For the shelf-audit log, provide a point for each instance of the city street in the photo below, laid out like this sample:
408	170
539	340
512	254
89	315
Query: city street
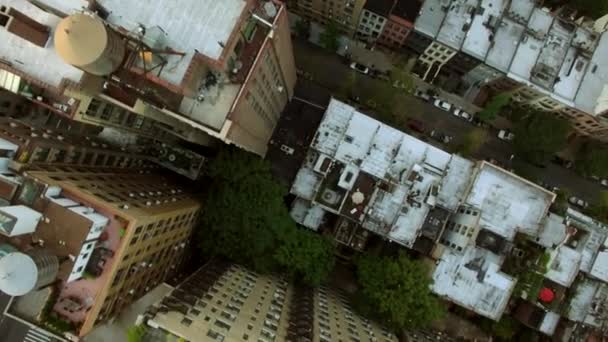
16	331
329	71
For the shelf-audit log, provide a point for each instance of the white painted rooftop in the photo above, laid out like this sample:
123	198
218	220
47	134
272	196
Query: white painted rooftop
592	96
411	167
41	63
188	25
553	231
528	44
582	299
508	203
506	39
478	42
310	216
521	9
458	19
600	267
306	183
473	280
431	16
454	184
563	265
549	323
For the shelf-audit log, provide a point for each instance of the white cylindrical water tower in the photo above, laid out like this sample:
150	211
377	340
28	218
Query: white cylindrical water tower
21	273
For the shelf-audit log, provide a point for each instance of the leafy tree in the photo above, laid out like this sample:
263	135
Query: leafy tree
302	29
136	333
403	79
307	256
329	37
246	220
593	159
397	289
539	135
600	210
561	201
591	8
494	106
473	141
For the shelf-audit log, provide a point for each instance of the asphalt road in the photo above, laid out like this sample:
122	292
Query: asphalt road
12	330
329	71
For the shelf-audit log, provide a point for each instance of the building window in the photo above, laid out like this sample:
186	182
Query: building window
186	321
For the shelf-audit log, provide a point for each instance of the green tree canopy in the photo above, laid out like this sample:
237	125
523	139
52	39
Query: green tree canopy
402	78
302	29
539	135
494	106
600	210
592	159
397	289
307	256
473	141
591	8
329	38
246	220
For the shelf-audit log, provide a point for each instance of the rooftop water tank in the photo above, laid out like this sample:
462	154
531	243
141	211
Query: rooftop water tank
21	273
85	42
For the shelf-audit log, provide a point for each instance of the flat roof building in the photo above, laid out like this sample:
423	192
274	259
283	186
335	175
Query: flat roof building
405	190
228	302
554	62
199	70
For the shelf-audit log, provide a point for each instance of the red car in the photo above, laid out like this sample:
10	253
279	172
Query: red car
416	125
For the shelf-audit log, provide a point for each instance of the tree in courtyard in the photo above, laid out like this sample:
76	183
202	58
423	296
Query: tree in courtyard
473	141
397	289
494	106
302	29
539	135
329	38
246	220
592	159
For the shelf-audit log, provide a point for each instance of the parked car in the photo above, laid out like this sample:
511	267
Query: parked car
548	186
479	123
399	85
563	162
443	105
359	67
441	137
578	202
505	135
422	95
604	182
416	125
462	114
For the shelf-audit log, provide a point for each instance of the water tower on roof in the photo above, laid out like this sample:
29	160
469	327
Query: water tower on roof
21	273
84	41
